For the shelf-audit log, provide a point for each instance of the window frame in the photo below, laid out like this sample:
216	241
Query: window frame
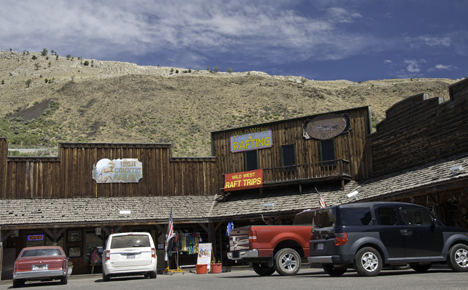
290	166
322	151
246	159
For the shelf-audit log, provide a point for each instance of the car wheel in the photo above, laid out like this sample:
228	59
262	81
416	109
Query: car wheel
420	268
287	262
18	283
458	258
262	269
64	280
152	275
105	277
334	271
368	262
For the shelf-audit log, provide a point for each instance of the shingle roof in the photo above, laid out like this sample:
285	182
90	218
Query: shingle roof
99	210
241	204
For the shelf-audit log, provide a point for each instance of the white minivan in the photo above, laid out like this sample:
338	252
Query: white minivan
129	254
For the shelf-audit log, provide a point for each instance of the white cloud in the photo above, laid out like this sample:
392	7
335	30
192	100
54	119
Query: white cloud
110	29
387	61
442	67
431	41
413	66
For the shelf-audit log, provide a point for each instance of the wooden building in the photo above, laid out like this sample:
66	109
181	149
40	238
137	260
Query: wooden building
74	201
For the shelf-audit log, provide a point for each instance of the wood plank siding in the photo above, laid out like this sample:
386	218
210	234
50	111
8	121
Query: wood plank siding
420	129
70	174
352	147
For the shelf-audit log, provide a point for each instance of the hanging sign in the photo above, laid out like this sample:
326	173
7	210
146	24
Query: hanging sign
326	126
243	180
39	237
127	170
251	139
204	254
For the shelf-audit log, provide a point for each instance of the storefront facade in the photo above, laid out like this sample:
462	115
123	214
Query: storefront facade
265	173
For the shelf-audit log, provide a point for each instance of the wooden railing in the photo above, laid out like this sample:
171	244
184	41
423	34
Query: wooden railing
330	169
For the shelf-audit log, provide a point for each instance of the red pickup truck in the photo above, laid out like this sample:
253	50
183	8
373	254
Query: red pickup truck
273	248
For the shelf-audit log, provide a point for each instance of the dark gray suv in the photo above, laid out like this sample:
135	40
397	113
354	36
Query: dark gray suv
369	235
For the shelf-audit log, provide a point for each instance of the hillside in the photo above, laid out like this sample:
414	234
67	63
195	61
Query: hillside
53	99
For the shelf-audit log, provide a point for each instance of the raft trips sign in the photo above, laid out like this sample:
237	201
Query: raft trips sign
251	139
127	170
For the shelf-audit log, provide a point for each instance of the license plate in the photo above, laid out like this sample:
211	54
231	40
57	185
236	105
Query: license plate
320	247
40	267
235	254
130	256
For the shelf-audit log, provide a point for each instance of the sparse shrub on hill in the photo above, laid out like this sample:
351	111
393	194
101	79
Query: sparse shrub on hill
28	82
44	52
216	68
68	56
229	70
34	57
86	63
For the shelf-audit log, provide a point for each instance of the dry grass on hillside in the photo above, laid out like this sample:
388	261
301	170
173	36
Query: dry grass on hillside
122	102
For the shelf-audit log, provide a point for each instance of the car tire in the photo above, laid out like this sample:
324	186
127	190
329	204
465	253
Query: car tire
334	271
457	258
64	280
368	262
262	269
421	268
152	275
105	277
18	283
287	262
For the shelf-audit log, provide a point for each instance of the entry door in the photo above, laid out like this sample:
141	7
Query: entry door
422	238
9	257
390	232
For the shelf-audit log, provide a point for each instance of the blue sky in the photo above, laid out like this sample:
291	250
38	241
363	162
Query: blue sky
322	40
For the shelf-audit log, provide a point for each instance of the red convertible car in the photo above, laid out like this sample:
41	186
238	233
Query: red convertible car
40	263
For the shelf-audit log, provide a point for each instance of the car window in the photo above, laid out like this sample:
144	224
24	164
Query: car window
130	241
387	216
304	218
41	252
415	216
324	218
356	216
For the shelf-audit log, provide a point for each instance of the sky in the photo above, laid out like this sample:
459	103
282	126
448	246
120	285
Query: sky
355	40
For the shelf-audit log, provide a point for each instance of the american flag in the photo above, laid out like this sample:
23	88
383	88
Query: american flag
321	201
170	233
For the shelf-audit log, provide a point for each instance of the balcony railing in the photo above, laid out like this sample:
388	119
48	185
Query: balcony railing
330	170
326	170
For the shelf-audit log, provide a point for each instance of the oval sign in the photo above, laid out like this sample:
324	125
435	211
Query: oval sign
324	127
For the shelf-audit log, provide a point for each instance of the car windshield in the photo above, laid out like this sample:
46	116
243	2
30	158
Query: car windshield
323	218
130	241
41	252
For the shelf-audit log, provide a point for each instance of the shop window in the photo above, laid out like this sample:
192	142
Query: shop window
251	160
288	156
327	151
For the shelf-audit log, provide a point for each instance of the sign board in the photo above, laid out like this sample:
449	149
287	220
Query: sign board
326	126
127	170
251	139
243	180
38	237
204	254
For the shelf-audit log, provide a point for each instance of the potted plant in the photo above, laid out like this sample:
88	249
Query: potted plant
70	267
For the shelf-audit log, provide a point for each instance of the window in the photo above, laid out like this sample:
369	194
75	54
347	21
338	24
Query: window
288	155
415	216
251	160
387	216
327	150
356	216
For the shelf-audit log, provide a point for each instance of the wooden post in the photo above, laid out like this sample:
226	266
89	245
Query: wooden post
1	253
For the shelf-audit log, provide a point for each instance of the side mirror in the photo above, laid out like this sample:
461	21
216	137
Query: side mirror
434	222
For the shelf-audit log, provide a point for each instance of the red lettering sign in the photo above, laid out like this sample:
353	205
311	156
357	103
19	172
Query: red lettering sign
243	180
